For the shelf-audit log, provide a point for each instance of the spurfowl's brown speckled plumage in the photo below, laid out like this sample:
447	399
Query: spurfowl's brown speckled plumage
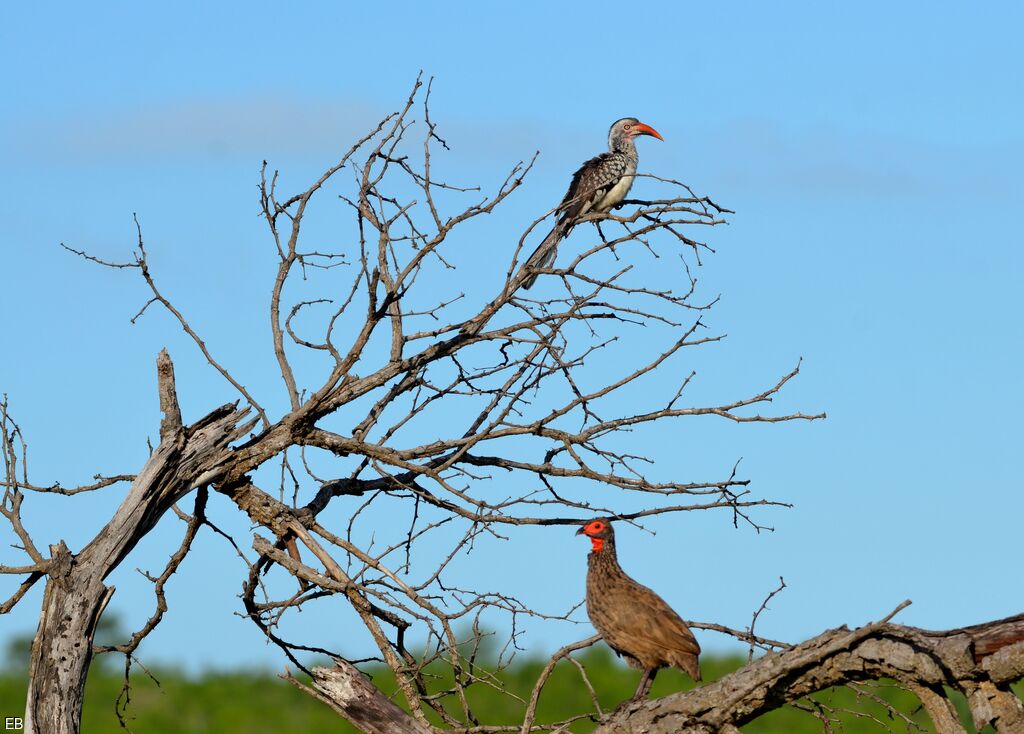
632	619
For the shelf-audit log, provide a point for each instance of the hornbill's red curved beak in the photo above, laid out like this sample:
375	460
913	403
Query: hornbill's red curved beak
642	129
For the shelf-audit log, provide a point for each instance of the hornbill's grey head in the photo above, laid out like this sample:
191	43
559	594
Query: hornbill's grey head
628	128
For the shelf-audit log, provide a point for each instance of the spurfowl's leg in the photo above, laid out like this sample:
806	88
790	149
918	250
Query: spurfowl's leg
646	680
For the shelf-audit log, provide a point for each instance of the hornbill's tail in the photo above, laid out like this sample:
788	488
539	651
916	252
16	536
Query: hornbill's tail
545	253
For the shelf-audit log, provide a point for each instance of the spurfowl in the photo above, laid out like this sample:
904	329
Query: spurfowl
632	619
599	185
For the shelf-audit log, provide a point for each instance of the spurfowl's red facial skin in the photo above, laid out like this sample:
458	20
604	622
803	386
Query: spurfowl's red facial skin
598	531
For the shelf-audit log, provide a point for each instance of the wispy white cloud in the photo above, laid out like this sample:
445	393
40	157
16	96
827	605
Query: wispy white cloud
257	126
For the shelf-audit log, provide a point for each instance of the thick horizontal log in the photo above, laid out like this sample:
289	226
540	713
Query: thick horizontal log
981	661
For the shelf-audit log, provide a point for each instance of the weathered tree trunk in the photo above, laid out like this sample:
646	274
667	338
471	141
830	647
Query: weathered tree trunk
62	649
980	661
75	595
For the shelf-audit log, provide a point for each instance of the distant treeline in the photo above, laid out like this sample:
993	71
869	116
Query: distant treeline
232	703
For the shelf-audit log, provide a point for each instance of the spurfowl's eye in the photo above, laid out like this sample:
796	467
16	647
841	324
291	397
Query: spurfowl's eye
597	526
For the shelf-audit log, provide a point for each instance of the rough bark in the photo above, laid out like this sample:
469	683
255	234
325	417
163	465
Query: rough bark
62	648
187	457
924	661
346	690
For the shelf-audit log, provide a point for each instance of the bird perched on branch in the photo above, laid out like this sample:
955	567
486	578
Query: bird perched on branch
600	185
632	619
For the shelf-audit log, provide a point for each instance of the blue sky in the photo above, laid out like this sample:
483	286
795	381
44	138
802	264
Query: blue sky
872	153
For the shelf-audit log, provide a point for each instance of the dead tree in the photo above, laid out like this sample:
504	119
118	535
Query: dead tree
425	407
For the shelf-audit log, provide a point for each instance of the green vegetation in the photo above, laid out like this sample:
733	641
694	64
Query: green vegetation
231	703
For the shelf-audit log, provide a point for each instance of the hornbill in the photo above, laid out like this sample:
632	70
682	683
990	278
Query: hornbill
599	185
